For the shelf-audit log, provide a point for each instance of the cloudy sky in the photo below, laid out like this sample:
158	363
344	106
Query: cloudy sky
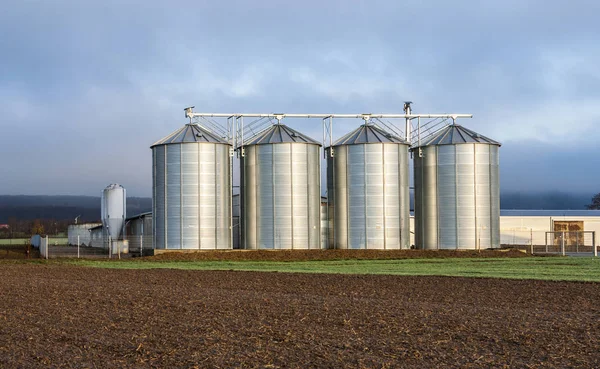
87	86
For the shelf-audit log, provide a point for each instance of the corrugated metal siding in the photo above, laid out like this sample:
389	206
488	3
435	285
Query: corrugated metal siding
159	200
283	193
313	158
495	196
356	196
173	197
447	208
190	199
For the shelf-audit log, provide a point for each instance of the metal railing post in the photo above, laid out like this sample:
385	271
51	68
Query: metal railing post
594	243
141	245
77	246
531	239
563	244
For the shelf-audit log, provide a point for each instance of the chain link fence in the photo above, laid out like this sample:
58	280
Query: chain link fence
139	245
571	242
545	242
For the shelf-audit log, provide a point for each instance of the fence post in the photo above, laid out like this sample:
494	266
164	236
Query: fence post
141	245
109	247
531	239
577	242
77	246
47	247
594	243
563	244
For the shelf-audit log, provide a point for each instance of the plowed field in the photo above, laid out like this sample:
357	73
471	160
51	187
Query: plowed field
64	316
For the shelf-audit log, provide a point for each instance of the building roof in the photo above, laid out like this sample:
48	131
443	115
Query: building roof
140	215
86	225
190	133
367	134
455	134
550	213
279	133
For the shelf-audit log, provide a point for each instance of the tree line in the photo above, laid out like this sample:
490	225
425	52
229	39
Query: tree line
19	228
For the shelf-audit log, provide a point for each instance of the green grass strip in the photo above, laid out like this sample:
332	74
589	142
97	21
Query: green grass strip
555	268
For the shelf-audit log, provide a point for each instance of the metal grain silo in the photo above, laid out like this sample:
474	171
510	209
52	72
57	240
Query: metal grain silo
367	188
457	191
191	190
281	191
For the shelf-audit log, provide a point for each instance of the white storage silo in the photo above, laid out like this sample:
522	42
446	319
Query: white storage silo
457	191
113	208
191	190
281	191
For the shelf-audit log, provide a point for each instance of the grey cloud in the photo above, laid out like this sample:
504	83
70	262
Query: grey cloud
91	85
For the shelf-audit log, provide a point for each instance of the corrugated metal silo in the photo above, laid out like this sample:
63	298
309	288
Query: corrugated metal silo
457	191
191	190
367	188
281	191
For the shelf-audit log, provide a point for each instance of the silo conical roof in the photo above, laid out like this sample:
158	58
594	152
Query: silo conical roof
279	133
190	133
455	134
366	134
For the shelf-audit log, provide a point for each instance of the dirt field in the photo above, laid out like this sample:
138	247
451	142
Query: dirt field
61	316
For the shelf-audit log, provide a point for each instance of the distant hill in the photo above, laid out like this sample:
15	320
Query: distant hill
544	201
25	207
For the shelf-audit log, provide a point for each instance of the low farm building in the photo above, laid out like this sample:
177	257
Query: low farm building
81	233
532	227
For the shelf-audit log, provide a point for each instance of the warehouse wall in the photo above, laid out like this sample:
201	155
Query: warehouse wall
524	230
